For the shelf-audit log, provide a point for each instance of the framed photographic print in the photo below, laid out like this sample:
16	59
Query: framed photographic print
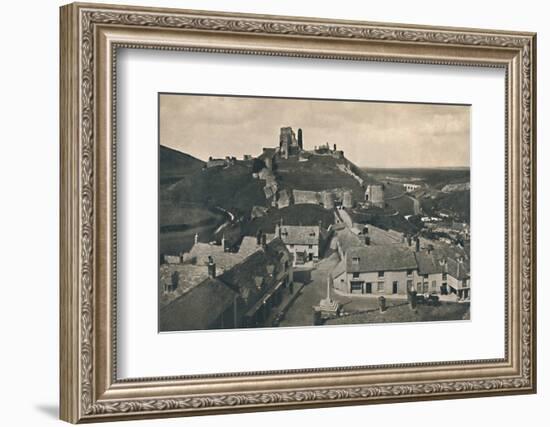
265	212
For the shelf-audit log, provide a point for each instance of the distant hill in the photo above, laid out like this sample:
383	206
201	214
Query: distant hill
436	178
174	165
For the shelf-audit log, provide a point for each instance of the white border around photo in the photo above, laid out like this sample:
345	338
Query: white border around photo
142	352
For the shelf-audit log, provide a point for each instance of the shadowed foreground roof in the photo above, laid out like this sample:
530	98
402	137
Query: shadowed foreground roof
197	309
189	277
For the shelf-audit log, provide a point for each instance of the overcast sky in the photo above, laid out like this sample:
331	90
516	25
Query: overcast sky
370	133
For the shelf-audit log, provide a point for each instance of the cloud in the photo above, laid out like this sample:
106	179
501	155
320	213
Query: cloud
371	133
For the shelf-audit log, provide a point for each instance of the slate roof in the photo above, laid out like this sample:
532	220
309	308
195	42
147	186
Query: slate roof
348	239
380	258
223	260
444	261
248	246
428	263
199	308
200	250
459	270
199	300
264	264
189	276
300	234
339	269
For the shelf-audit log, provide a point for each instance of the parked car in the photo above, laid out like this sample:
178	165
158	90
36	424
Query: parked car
428	299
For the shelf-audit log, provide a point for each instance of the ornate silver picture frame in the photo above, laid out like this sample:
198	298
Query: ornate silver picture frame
91	37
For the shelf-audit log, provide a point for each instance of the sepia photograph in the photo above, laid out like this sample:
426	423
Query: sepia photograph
300	212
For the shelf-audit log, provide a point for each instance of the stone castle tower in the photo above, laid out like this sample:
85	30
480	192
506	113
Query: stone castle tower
374	195
288	144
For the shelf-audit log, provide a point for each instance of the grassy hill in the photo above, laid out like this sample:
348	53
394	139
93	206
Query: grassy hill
319	173
231	188
190	196
175	165
457	202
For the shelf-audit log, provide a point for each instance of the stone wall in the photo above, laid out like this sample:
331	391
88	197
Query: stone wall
302	197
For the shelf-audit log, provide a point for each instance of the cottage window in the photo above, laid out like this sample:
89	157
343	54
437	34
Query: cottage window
380	274
312	234
434	284
409	272
291	246
425	276
355	260
444	276
355	275
357	287
380	286
310	246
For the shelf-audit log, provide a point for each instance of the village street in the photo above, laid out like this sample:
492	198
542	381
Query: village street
300	312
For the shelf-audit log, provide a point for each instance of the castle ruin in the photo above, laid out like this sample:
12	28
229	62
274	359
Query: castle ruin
374	195
288	143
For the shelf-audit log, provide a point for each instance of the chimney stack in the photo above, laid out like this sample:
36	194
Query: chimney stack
259	237
417	244
367	240
264	241
211	267
175	279
196	238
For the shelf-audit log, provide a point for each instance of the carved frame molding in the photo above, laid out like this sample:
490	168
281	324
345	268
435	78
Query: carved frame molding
90	390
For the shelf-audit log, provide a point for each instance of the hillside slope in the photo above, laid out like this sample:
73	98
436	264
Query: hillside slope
231	188
320	173
174	165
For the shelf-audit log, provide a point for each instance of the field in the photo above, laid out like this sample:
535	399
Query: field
405	205
434	178
380	218
457	202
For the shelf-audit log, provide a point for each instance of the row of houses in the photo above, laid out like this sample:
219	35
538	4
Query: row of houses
397	270
239	288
